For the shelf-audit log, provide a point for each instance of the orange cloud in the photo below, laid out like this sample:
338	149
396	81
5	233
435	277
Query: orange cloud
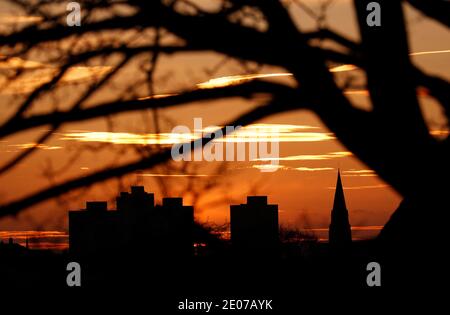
269	167
25	146
251	133
39	73
237	79
362	173
430	52
362	187
19	63
440	133
313	169
19	19
344	68
50	240
175	175
282	167
310	157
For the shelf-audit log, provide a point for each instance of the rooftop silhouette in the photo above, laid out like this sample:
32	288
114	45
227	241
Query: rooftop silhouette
254	226
137	225
167	229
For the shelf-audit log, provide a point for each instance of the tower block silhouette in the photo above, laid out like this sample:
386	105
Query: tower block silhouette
137	227
340	234
254	226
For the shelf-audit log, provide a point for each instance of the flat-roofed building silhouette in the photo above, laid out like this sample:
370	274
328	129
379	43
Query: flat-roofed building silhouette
254	226
136	210
137	201
173	226
93	229
138	225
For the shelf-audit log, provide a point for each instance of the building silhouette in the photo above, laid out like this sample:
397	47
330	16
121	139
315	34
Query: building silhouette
254	226
137	201
175	225
94	229
137	226
167	229
340	235
11	248
136	215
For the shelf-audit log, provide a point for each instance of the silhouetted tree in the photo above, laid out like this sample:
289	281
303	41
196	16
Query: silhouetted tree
392	138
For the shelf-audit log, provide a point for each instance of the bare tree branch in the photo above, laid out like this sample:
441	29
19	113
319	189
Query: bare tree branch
435	9
245	90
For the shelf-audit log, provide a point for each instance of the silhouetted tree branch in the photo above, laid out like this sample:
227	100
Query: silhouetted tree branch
436	9
111	172
392	138
245	90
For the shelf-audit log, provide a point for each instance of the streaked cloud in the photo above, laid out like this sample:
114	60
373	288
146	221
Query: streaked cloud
313	169
440	133
28	234
50	240
19	63
54	246
344	68
310	157
175	175
268	128
430	52
279	137
361	173
19	19
237	79
127	138
39	73
156	96
273	132
357	92
269	167
362	187
25	146
364	92
251	133
289	168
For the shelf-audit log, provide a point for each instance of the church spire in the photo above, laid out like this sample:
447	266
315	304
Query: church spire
339	198
340	232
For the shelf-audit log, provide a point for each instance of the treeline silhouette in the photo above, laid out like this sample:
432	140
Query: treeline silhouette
143	242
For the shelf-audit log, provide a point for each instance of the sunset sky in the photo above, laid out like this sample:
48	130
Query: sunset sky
302	186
